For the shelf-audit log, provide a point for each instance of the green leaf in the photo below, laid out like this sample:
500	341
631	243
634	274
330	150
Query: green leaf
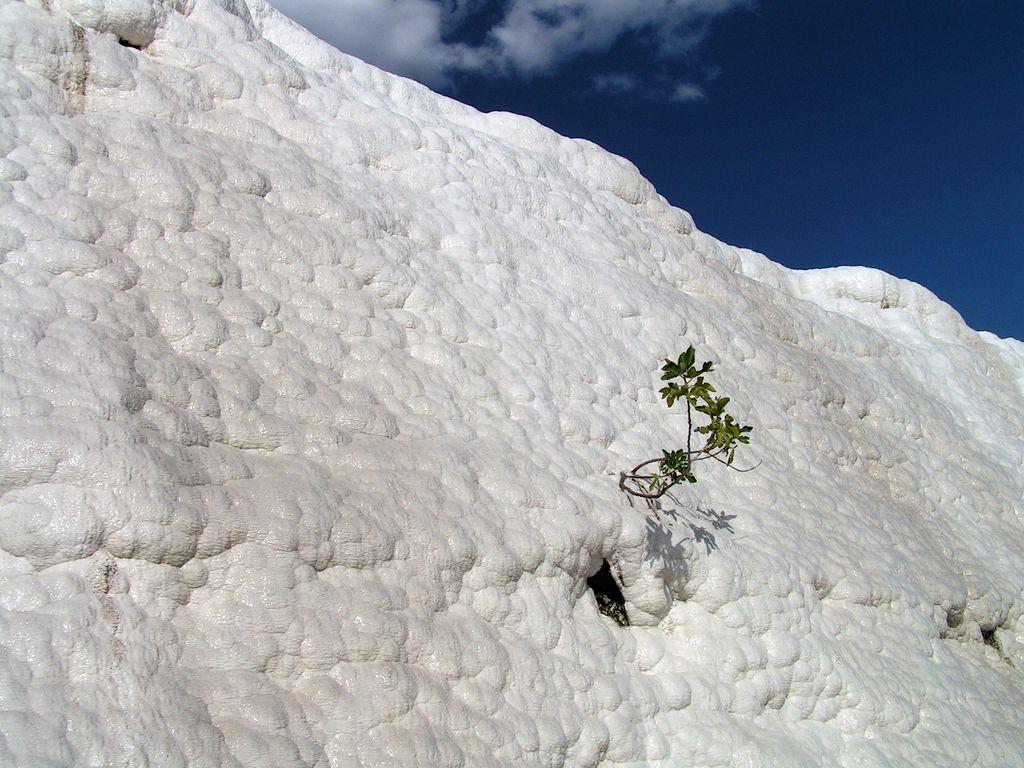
686	359
671	393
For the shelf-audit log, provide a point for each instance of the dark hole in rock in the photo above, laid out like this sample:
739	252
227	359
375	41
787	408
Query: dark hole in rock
990	639
955	616
609	596
126	44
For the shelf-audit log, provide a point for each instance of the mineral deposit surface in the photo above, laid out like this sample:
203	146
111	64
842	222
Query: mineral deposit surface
315	389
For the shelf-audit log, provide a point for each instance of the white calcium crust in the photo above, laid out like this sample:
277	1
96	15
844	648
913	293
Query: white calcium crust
315	387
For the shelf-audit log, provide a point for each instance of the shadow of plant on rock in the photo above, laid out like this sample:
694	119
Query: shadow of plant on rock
703	522
670	551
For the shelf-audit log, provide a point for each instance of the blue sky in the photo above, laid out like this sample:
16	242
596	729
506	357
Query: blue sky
818	132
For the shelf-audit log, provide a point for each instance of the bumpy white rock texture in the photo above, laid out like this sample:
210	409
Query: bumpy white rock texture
315	390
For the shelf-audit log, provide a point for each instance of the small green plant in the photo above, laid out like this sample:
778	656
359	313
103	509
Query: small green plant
722	434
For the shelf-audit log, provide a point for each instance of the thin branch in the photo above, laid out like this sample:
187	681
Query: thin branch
689	427
643	464
733	467
623	477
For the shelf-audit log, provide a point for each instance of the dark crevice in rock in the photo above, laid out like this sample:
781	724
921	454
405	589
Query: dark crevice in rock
991	639
954	618
988	636
609	595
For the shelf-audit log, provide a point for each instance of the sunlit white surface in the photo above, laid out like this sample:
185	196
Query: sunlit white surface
315	390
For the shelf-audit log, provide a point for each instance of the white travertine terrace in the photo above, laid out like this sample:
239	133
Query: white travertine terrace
315	387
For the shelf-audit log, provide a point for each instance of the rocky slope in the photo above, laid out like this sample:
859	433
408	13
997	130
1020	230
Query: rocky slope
315	390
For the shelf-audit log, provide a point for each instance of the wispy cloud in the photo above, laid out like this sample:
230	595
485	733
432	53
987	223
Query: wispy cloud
401	36
659	90
421	38
616	82
687	92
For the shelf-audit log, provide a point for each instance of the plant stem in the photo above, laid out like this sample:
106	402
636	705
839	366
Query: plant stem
689	425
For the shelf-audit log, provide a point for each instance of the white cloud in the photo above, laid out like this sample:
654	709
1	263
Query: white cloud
520	37
401	36
687	92
615	83
535	35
